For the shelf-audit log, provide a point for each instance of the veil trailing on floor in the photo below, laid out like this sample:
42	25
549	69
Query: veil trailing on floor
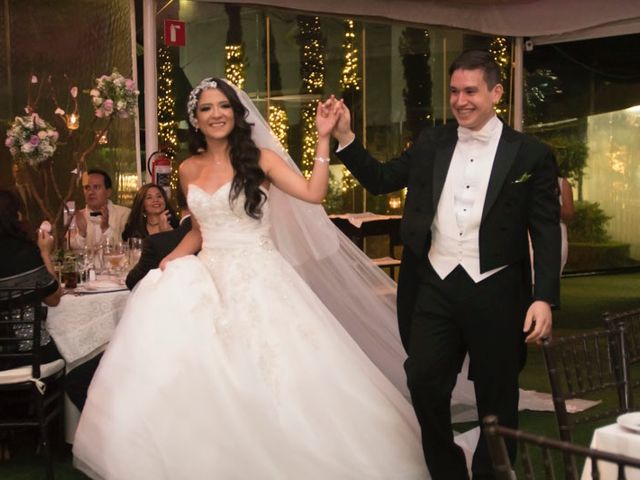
358	293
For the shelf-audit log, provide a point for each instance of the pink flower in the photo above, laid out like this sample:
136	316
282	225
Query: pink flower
8	142
55	135
130	85
34	140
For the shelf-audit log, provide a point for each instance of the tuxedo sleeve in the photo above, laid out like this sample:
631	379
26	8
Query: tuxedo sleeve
544	229
148	261
377	177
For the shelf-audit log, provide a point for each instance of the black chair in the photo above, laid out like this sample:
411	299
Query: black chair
30	396
389	228
496	434
630	321
584	364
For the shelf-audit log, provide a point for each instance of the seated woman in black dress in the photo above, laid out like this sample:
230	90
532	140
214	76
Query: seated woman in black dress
25	262
151	213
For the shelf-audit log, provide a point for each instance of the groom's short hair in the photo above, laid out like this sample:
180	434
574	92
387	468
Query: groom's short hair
478	60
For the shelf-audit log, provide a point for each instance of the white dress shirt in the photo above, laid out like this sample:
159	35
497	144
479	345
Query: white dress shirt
118	216
456	225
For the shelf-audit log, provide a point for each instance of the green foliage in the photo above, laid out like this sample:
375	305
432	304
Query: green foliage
571	153
589	223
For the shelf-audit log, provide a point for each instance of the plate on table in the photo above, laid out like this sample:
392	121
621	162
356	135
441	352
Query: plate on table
101	286
630	421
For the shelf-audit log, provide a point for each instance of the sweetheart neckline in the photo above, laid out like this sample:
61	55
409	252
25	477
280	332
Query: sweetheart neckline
206	192
219	188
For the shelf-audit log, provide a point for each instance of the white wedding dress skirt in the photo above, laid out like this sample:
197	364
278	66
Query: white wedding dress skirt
227	366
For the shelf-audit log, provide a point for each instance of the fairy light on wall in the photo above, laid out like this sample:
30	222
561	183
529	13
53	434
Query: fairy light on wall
312	70
279	123
234	64
349	82
499	49
167	124
350	77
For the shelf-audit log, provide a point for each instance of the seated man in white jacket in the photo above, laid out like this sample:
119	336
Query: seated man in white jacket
101	219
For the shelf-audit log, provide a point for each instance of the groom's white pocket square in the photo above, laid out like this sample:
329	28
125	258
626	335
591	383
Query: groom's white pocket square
523	178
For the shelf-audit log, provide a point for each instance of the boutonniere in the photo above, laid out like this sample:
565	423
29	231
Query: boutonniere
523	178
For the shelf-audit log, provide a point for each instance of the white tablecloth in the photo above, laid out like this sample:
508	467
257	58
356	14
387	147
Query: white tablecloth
81	324
615	439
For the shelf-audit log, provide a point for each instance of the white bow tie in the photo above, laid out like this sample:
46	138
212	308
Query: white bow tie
466	136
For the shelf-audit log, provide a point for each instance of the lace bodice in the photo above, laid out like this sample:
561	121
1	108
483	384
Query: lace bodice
224	224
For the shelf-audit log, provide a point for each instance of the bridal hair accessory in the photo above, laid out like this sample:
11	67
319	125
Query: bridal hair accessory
205	84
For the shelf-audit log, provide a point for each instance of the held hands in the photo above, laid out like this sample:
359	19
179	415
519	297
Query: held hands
538	322
341	129
327	114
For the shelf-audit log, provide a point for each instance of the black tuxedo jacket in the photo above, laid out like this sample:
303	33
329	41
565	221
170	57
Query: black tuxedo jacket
521	199
154	249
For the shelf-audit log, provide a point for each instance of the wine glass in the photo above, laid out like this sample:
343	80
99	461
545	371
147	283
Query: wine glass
115	257
135	250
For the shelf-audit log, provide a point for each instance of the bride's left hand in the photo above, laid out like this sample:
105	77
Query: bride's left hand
327	115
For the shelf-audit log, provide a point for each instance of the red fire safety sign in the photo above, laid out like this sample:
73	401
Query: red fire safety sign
174	33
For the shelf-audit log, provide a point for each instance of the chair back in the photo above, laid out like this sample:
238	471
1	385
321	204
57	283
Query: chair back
495	435
583	364
21	317
630	321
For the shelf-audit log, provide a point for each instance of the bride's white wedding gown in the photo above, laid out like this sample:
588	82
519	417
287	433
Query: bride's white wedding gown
227	366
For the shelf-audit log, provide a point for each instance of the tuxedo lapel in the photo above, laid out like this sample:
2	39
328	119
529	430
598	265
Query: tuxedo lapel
505	157
440	169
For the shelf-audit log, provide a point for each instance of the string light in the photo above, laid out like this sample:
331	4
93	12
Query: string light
499	48
234	64
167	124
312	70
279	123
350	78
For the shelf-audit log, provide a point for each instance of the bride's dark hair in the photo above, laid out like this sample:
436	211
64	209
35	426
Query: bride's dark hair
243	152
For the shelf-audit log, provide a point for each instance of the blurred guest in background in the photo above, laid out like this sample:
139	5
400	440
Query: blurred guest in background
25	263
567	211
101	219
156	247
151	213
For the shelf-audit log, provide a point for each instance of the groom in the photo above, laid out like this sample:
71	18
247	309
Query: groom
475	192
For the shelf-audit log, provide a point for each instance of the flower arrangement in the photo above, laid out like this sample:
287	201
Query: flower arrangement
114	94
31	139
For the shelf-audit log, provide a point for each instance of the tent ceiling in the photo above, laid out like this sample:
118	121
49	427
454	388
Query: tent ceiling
544	21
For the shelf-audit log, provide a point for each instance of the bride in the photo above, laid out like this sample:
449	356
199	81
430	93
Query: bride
273	354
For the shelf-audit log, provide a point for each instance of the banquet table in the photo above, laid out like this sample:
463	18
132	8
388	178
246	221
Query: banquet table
82	325
615	439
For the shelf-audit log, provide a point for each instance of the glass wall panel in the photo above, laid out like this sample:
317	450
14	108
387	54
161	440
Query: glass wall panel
393	78
583	99
46	48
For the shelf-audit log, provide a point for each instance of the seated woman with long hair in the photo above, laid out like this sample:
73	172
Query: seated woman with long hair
151	213
25	262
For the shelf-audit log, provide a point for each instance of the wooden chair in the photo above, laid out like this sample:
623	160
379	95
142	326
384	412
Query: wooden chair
30	396
389	228
630	321
584	364
496	434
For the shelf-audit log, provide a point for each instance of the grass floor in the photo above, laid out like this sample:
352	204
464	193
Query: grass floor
583	301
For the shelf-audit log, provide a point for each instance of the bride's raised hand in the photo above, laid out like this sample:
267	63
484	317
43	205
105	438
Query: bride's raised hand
327	114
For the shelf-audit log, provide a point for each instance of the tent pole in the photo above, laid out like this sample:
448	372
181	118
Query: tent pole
150	78
518	84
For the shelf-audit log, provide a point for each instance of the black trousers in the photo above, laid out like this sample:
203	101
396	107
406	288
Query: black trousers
453	316
77	381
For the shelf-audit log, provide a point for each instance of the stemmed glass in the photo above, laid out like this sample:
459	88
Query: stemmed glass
115	257
135	250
